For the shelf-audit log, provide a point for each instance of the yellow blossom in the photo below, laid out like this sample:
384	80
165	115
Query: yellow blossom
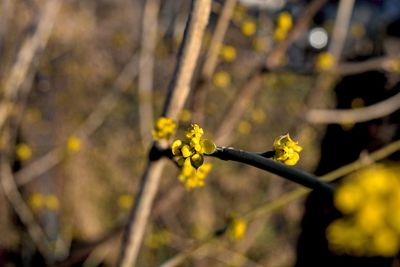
244	127
191	177
284	24
158	238
221	79
286	150
228	53
237	228
285	20
73	144
185	115
260	44
164	128
279	34
23	152
190	156
239	13
36	201
325	61
193	148
248	27
369	200
51	202
125	201
357	102
258	116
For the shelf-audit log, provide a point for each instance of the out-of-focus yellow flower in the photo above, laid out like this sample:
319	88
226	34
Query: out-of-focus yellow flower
237	228
125	201
164	128
36	201
279	34
283	26
185	115
369	200
357	103
244	127
73	144
239	13
51	202
191	177
228	53
286	150
23	152
221	79
248	27
285	20
392	65
260	44
157	239
357	30
325	61
258	116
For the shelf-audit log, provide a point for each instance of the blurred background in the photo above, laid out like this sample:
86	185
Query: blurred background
86	80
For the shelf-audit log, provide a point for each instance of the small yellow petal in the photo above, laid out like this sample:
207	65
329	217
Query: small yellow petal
176	147
208	147
186	151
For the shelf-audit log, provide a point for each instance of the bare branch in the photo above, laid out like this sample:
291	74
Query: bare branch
10	189
178	91
30	48
371	112
146	69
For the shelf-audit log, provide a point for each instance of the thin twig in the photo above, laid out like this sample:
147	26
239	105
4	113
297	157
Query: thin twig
178	91
211	60
30	48
85	130
146	69
371	112
340	28
10	190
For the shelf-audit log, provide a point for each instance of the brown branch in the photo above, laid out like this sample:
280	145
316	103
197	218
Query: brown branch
146	69
30	48
10	190
371	112
178	91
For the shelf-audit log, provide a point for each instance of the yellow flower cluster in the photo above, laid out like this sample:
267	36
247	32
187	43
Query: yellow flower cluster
221	79
286	150
190	153
284	24
192	177
324	62
164	128
237	228
37	201
369	201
